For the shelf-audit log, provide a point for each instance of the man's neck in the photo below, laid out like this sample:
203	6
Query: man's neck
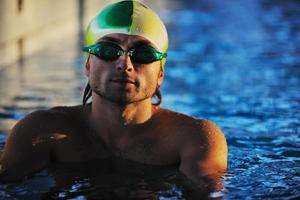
115	116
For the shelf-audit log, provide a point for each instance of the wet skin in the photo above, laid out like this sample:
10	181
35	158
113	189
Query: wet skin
121	122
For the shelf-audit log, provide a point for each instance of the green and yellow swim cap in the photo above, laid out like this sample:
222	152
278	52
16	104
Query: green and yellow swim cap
132	18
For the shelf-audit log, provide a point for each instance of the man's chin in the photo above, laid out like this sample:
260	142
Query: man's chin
126	100
123	98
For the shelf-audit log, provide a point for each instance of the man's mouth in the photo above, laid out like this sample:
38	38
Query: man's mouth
124	81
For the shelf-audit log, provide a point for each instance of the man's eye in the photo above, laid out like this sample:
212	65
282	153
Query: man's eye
144	50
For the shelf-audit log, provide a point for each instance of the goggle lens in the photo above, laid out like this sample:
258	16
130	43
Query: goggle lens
108	51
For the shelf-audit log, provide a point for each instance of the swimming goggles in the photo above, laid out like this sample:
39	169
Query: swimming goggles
108	51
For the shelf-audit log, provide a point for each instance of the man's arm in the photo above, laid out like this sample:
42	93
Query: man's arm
204	153
24	151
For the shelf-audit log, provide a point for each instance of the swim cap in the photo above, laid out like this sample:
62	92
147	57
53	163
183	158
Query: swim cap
132	18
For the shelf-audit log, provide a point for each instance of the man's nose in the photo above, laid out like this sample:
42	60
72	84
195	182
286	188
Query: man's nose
125	63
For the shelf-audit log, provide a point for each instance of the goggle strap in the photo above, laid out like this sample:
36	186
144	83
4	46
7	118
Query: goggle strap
161	55
93	49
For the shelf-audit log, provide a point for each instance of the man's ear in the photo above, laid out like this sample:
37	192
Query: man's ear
160	77
87	66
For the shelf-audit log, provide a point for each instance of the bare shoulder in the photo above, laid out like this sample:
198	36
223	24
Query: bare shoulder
202	144
29	142
191	126
42	122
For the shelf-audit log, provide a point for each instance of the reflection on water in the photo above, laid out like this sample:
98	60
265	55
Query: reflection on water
233	62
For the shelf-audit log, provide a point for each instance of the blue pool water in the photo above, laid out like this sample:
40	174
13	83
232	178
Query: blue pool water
236	63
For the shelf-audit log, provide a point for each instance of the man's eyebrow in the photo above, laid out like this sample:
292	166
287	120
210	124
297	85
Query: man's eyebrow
143	42
110	39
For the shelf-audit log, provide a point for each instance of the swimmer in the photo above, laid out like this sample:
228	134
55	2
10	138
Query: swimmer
126	49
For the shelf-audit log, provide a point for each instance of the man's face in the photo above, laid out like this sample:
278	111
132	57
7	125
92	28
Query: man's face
123	81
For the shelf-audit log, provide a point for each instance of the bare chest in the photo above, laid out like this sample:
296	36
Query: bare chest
150	148
157	149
